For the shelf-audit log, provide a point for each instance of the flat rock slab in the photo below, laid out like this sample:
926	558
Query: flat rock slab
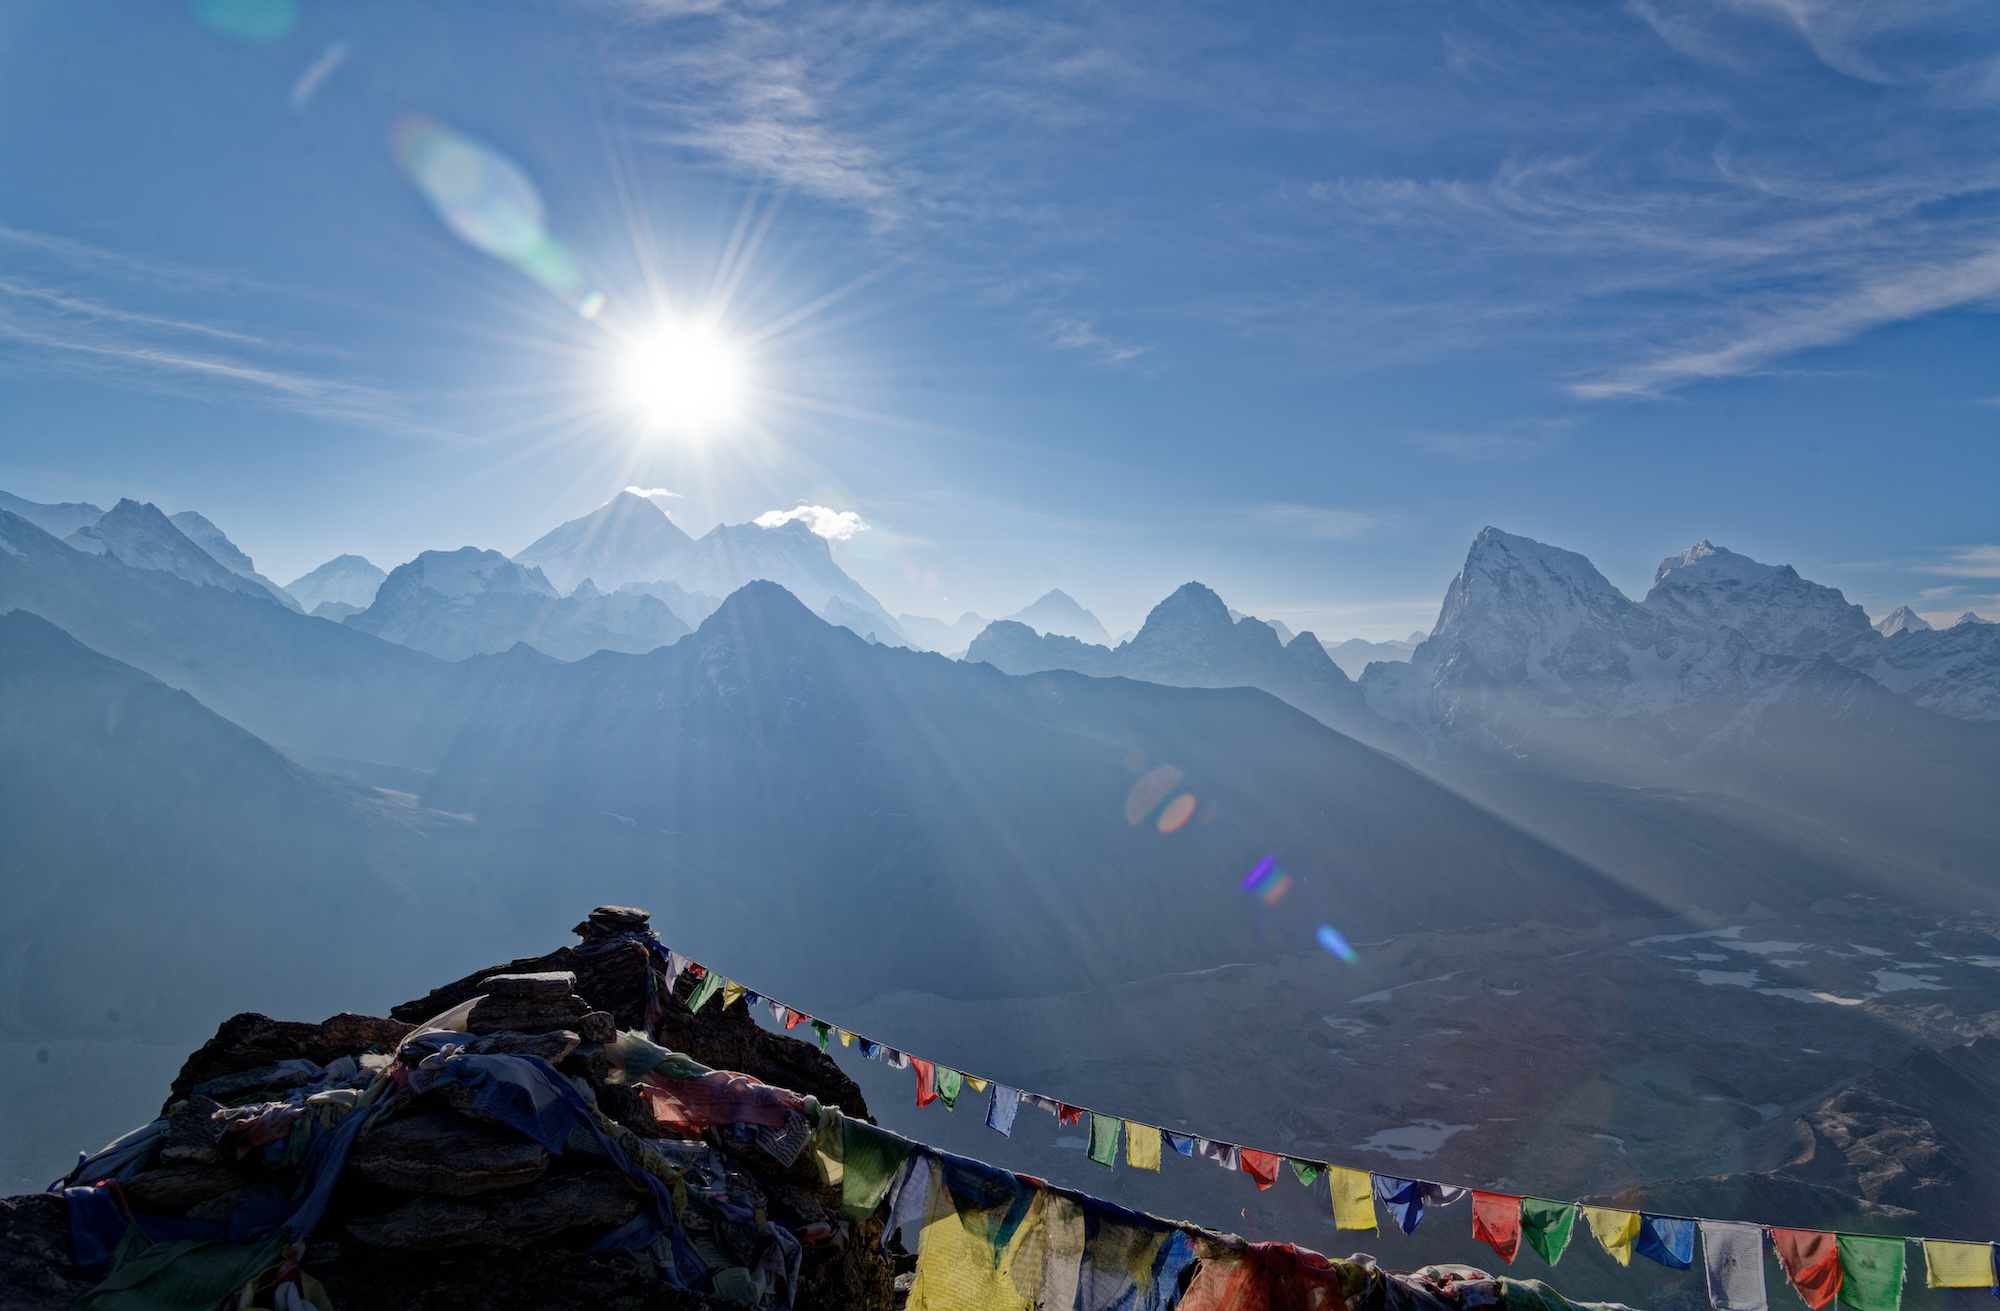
597	1198
497	1014
544	983
438	1152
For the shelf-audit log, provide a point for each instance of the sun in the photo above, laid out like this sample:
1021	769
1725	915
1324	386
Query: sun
684	376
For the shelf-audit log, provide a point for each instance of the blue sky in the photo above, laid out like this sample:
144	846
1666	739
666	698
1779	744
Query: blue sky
1290	299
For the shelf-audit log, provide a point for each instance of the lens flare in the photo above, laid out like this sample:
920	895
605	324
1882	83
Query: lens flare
684	376
491	204
1151	789
1178	812
1329	938
1266	881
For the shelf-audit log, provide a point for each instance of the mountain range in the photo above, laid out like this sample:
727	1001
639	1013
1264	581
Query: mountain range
1544	836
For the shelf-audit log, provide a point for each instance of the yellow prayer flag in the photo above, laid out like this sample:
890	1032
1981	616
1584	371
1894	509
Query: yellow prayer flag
1353	1198
1958	1265
846	1038
1142	1146
977	1085
732	992
1614	1229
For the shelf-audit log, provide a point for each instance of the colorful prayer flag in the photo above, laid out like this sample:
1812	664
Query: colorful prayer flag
1001	1108
976	1084
1546	1225
926	1080
950	1083
1307	1171
1261	1166
1407	1198
1957	1265
795	1017
1811	1261
1666	1239
823	1029
1223	1154
710	984
1104	1138
1142	1146
1733	1254
1871	1272
1067	1114
1615	1230
1496	1222
846	1038
1353	1198
732	992
1180	1142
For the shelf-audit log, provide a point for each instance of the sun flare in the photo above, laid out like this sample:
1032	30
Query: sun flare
686	377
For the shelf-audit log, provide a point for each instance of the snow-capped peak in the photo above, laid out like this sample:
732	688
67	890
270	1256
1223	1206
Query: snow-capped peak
1707	587
1902	620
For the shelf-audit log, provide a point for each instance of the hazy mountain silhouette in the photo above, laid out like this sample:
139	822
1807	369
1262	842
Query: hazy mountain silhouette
348	581
197	529
1057	613
163	867
468	602
142	537
955	829
1189	640
57	520
628	539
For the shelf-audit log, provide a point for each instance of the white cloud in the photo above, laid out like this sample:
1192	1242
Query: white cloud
317	73
654	493
834	525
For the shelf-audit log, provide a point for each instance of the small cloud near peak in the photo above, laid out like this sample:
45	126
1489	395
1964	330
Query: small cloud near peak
834	525
654	493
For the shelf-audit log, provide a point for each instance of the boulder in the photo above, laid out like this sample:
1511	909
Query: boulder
515	1218
530	1014
172	1189
541	983
552	1047
438	1152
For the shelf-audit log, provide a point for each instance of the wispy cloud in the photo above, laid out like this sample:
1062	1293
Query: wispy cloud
1315	521
1518	439
1080	335
64	328
1970	562
316	74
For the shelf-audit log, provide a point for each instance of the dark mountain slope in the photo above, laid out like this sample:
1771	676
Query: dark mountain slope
291	679
945	826
159	860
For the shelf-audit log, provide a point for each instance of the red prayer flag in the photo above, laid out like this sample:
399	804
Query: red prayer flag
926	1080
1811	1261
793	1019
1496	1222
1067	1114
1261	1166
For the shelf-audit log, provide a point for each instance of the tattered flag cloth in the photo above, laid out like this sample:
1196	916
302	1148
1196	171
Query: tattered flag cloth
1547	1225
1957	1265
1237	1276
1307	1171
1223	1154
1131	1262
950	1083
1667	1239
1103	1138
1811	1261
1001	1108
1615	1230
1733	1253
1353	1198
1496	1222
1261	1166
1142	1146
1407	1198
1180	1142
926	1080
1871	1272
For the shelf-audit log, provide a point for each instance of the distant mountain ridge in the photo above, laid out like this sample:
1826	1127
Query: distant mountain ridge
455	604
1056	612
630	541
1189	640
346	581
143	537
226	553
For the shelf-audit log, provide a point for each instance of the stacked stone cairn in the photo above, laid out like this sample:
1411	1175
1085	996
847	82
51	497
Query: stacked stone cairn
438	1207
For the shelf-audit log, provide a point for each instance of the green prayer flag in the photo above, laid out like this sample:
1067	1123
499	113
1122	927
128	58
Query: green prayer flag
190	1274
1546	1226
950	1083
1871	1272
711	983
1307	1171
822	1028
1104	1138
869	1159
